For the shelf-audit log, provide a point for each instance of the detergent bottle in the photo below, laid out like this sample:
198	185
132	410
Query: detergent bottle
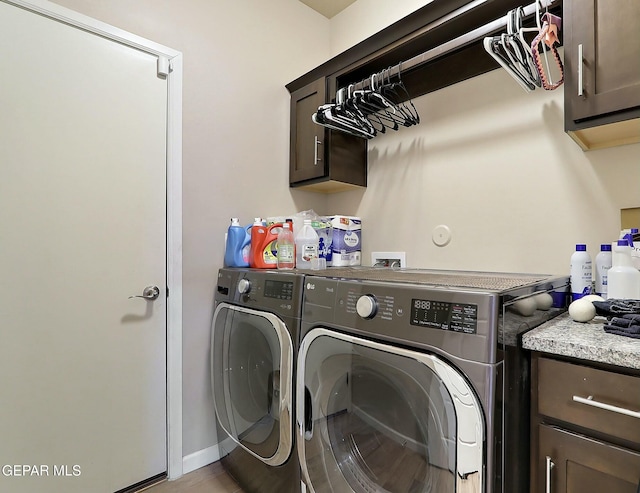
236	253
581	273
264	250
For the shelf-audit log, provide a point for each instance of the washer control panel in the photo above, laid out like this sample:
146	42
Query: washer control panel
460	323
458	317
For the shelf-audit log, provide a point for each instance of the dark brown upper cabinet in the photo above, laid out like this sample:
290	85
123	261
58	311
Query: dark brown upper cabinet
320	159
602	72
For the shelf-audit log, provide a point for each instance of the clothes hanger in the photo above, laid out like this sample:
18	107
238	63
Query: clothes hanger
517	49
516	56
390	91
395	111
335	117
519	30
360	118
493	46
373	103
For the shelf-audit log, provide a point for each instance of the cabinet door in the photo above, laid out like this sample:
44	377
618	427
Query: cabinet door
307	157
322	160
578	464
607	77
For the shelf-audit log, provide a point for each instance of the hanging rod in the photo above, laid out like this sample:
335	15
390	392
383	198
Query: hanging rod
455	43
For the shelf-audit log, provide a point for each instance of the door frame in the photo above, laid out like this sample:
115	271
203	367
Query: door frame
170	62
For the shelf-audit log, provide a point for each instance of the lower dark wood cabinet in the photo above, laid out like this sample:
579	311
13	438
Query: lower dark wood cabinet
573	463
585	427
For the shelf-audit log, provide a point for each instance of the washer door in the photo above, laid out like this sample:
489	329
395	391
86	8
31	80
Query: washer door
378	418
251	371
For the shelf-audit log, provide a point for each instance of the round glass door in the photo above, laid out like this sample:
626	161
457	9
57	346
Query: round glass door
251	371
375	419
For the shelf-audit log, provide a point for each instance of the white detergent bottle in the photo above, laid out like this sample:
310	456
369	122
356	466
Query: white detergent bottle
603	264
623	277
581	273
306	245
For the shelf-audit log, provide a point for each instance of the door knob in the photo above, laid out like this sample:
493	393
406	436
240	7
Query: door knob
149	293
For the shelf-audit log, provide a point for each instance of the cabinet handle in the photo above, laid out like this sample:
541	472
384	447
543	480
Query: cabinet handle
580	70
550	466
316	159
607	407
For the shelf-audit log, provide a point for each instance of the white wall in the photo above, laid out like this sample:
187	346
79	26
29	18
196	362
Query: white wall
238	56
494	164
364	18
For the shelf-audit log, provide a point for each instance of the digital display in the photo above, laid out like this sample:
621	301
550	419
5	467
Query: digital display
279	290
457	317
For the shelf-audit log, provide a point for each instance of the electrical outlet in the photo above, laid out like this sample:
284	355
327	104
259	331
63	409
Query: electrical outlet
389	259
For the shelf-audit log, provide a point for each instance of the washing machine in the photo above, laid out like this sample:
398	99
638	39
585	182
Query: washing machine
253	350
406	383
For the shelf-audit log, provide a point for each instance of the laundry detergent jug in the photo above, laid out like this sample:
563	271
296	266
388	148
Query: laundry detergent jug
264	246
237	249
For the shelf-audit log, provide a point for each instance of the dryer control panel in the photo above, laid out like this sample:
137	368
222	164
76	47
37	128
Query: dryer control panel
461	323
458	317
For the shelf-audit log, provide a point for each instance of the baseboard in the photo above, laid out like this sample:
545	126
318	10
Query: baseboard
200	459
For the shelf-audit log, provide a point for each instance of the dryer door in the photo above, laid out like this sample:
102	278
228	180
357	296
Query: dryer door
251	371
377	418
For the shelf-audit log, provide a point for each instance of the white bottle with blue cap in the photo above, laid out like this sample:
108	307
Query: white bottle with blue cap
623	277
581	273
632	236
603	264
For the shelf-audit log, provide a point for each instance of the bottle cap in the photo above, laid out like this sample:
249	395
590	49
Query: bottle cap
605	248
581	248
634	231
623	243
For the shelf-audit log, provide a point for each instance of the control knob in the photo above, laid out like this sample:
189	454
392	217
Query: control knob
367	306
244	286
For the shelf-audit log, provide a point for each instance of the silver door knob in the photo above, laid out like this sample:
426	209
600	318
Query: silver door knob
149	293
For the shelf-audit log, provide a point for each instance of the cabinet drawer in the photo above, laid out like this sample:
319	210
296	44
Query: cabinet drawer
561	385
583	465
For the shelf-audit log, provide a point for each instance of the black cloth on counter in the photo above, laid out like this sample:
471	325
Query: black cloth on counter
615	308
628	325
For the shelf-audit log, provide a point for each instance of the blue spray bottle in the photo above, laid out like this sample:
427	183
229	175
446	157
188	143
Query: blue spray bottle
236	253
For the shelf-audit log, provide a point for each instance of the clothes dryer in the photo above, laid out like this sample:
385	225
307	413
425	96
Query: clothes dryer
406	384
253	349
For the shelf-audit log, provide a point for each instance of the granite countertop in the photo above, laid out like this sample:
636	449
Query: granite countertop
587	341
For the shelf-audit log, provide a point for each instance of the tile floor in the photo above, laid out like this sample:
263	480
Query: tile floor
209	479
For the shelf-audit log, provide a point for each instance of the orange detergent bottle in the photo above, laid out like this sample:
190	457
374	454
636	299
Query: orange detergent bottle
264	251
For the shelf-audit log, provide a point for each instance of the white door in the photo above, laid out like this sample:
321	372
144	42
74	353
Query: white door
83	123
